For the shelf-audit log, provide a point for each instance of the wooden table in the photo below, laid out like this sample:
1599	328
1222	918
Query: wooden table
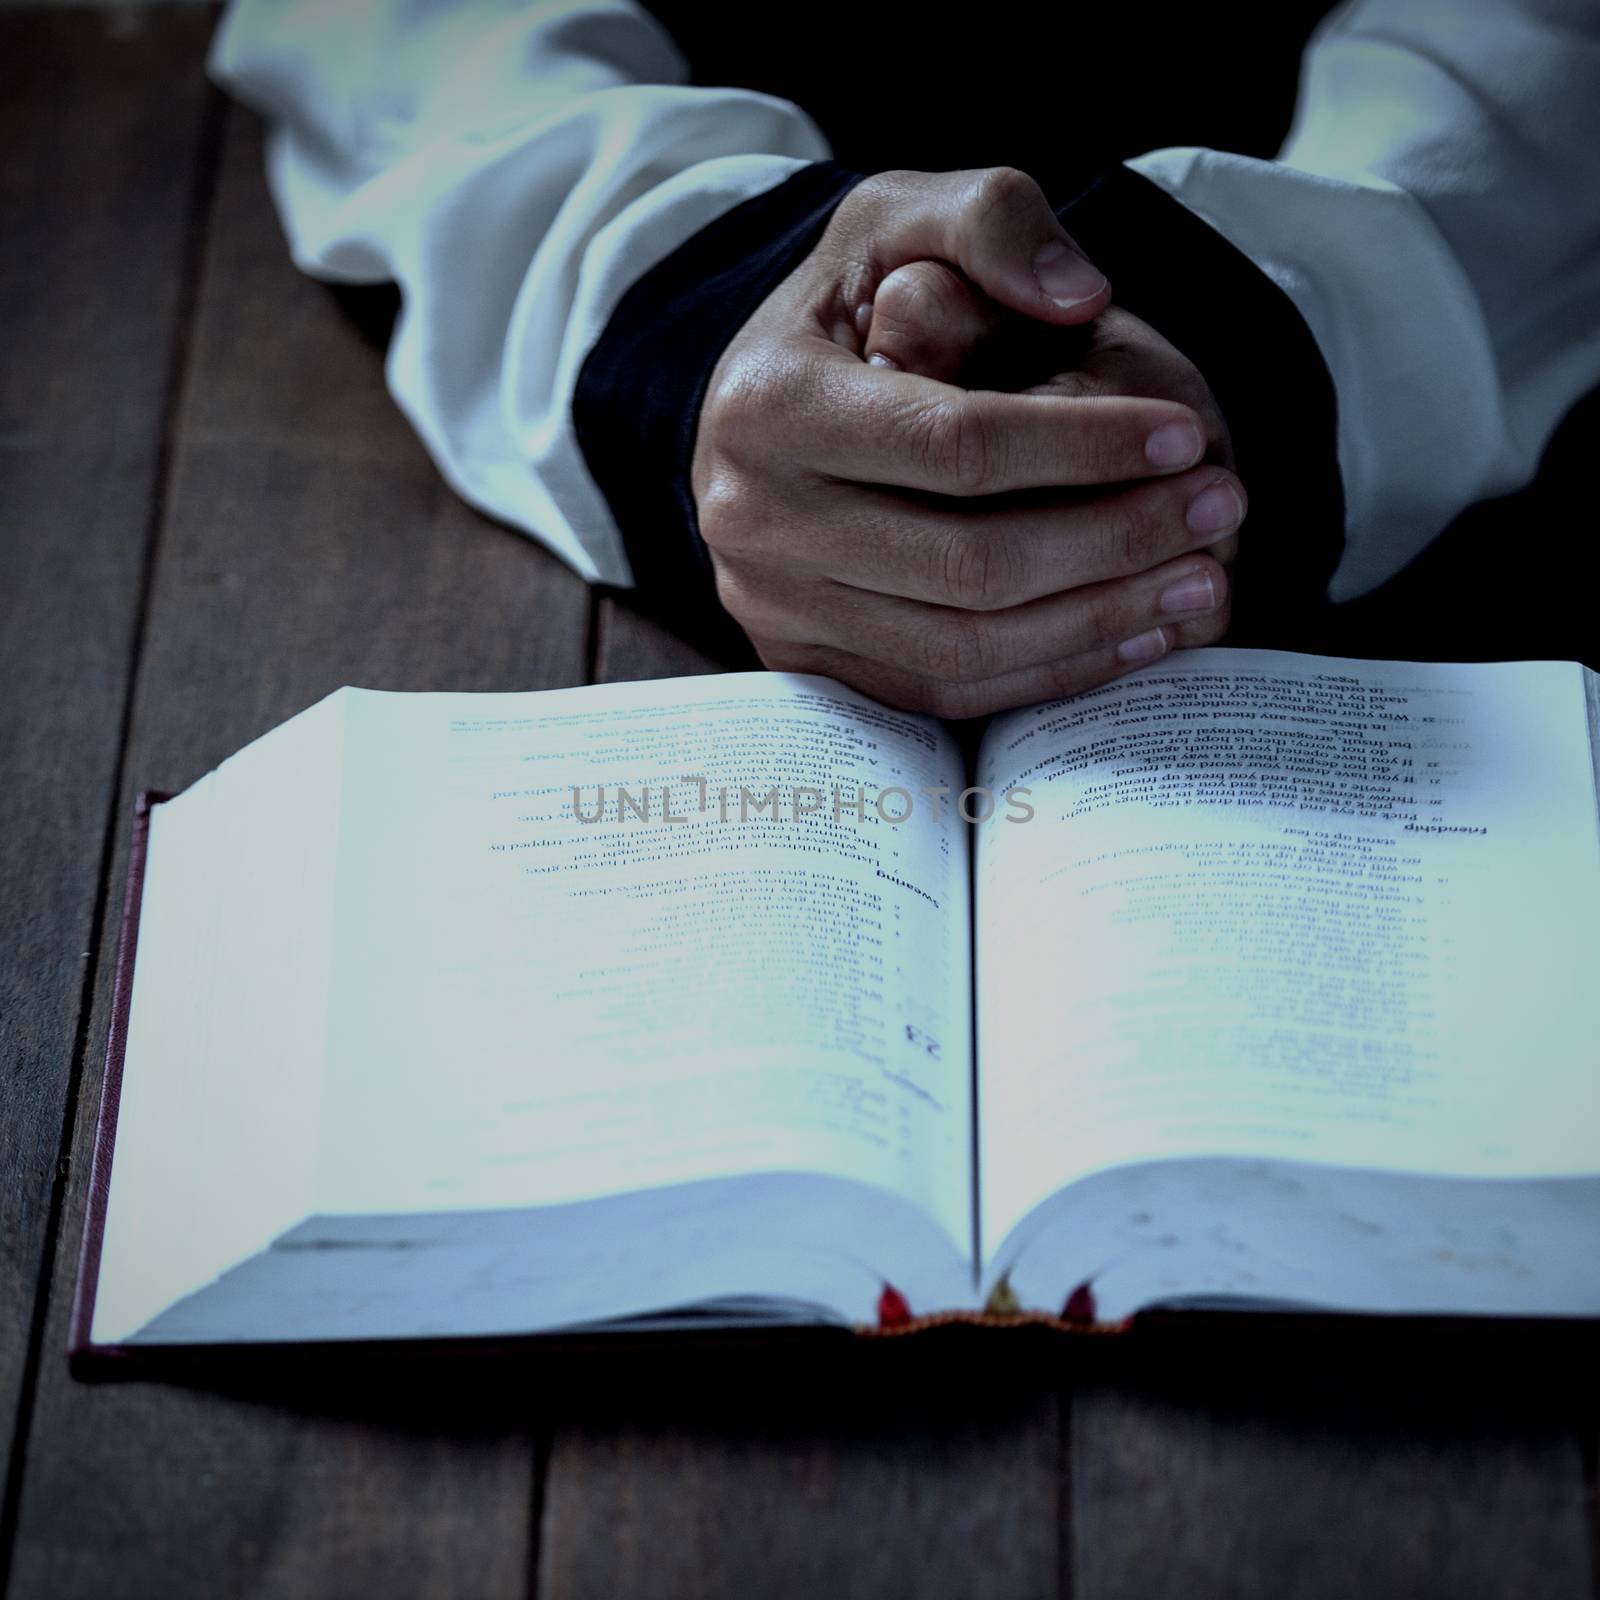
210	515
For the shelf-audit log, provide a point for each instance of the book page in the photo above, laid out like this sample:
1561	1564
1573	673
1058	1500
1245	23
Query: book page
216	1119
1286	906
546	989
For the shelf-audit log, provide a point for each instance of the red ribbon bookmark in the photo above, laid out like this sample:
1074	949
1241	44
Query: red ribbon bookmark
1080	1304
893	1312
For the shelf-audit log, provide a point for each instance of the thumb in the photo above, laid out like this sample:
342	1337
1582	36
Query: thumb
997	227
928	320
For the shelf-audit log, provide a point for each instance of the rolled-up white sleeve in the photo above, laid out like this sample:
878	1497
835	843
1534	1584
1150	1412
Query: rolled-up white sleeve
514	169
1435	217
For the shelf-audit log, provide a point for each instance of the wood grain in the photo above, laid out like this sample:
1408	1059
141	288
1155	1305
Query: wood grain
771	1484
95	219
1404	1461
307	543
630	645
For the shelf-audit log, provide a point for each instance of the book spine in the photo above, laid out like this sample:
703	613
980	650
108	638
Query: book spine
987	1319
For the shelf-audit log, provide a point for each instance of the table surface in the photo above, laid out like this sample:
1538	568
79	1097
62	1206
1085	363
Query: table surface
212	515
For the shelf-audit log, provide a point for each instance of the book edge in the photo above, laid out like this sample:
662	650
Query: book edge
79	1337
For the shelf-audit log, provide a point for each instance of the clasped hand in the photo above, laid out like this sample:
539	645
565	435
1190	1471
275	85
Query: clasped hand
939	465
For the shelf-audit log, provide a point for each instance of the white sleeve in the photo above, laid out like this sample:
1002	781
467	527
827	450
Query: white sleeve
1435	217
514	168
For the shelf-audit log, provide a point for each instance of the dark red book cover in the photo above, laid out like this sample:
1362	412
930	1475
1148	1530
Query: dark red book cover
80	1348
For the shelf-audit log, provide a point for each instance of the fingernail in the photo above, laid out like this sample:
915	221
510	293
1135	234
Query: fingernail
1143	647
1174	444
879	359
1067	275
1194	593
1215	510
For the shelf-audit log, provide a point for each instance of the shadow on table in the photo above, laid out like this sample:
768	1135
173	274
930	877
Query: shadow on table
1297	1370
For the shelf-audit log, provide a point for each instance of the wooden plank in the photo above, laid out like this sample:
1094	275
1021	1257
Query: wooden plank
94	211
1591	1479
766	1482
1386	1463
308	543
629	645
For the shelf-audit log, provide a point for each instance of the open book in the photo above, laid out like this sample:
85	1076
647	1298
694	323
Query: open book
1256	979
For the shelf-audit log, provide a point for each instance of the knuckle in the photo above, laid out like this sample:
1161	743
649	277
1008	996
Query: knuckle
958	448
1104	455
755	402
859	216
1001	191
930	437
742	398
724	513
917	694
758	603
949	701
1104	623
732	593
977	571
1135	538
865	197
959	649
892	183
716	412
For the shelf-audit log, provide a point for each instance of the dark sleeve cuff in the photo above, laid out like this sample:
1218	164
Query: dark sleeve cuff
637	403
1253	347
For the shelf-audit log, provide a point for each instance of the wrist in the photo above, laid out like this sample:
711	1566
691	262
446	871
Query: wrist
637	403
